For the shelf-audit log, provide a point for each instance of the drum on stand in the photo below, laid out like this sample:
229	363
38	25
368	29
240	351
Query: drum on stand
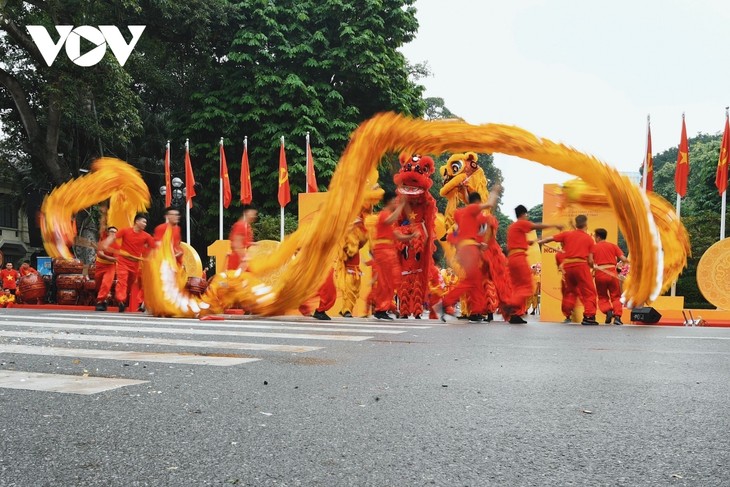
196	286
32	289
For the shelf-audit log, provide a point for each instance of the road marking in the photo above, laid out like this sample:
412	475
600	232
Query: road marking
70	384
192	331
209	324
162	357
285	320
699	338
159	341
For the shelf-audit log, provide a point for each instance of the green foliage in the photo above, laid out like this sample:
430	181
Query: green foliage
268	227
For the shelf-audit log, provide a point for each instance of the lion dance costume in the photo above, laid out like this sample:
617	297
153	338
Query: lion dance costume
657	254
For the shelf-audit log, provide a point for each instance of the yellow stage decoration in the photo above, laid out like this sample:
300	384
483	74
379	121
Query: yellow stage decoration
109	178
319	242
672	234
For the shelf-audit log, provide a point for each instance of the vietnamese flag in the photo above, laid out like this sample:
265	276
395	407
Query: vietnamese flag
681	174
246	194
311	178
168	184
189	178
649	167
284	194
224	178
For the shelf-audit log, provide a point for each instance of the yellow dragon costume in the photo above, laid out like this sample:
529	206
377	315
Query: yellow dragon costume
320	242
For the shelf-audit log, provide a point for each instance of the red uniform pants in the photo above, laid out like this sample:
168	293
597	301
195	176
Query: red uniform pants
471	285
521	277
104	277
387	267
128	283
579	282
609	292
568	299
327	295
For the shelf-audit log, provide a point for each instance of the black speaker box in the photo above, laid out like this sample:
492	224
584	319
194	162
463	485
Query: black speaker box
645	315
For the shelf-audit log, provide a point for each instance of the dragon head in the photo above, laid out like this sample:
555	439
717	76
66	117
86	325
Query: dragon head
414	177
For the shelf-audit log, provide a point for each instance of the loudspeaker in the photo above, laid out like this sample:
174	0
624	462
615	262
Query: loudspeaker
645	315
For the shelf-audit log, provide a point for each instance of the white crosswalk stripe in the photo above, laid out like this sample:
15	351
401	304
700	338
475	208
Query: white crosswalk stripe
54	335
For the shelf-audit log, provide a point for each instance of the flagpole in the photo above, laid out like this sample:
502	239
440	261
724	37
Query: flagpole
646	157
306	164
282	208
187	203
220	192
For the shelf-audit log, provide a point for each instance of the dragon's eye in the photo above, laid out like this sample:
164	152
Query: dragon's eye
418	169
408	166
456	166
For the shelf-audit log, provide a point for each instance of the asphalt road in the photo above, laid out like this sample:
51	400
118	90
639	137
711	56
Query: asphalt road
412	403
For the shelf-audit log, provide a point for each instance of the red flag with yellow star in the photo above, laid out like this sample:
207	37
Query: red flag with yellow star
284	193
227	196
681	174
649	166
721	175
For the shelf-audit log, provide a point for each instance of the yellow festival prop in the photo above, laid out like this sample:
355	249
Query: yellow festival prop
319	242
109	178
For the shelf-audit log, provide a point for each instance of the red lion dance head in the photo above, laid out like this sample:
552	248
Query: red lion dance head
414	178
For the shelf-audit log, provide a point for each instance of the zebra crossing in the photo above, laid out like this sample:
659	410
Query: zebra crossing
89	336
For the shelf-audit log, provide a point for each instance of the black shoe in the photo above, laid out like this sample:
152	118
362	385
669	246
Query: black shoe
609	317
346	315
589	321
516	320
476	318
382	315
617	321
141	309
418	317
122	307
489	318
100	307
532	312
463	317
321	315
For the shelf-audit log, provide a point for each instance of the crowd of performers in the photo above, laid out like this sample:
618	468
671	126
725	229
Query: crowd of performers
490	282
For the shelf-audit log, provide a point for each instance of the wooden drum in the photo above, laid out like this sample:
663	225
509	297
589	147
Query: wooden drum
70	281
196	285
64	266
67	296
32	289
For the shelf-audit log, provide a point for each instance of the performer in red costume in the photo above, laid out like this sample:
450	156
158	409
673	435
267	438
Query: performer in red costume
567	298
172	220
496	276
468	252
135	245
241	238
105	267
605	255
578	246
385	256
327	295
519	268
9	277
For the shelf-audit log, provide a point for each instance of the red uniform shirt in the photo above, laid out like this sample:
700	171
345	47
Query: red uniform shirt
242	229
384	231
605	253
577	244
10	278
559	258
468	221
135	243
517	234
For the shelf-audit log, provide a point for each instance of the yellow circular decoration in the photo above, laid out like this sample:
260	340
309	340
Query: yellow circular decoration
713	274
263	248
191	261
